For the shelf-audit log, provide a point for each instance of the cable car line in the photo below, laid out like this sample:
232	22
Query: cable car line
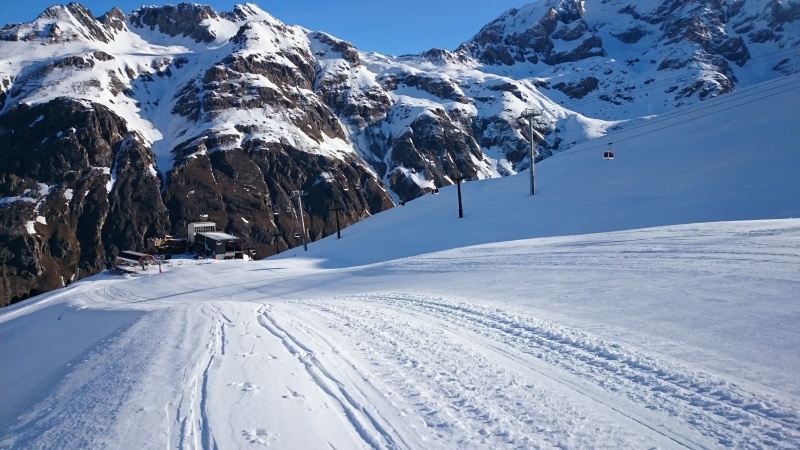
698	107
693	118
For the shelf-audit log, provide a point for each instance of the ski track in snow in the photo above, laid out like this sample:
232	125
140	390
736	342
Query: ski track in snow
360	418
456	359
404	369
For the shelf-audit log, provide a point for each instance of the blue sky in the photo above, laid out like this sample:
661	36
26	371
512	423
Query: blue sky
396	28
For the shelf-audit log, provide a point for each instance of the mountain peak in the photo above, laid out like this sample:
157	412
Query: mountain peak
249	12
59	23
114	19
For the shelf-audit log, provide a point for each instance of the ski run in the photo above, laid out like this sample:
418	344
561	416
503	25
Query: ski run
600	341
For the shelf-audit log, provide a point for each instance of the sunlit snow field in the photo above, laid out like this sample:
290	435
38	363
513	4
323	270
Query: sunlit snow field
648	301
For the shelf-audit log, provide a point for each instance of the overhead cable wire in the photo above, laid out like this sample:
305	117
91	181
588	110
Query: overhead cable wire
790	86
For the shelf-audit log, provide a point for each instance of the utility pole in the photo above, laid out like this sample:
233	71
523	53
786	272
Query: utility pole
275	235
529	114
337	209
299	196
460	209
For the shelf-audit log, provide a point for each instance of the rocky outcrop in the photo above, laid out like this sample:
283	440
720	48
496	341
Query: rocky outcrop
247	192
244	181
579	89
785	12
185	19
433	150
505	42
114	19
136	211
441	88
75	188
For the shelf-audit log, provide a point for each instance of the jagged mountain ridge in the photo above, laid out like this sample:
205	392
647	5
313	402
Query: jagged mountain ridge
227	113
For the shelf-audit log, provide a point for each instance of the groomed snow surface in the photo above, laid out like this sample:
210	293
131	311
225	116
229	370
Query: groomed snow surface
646	302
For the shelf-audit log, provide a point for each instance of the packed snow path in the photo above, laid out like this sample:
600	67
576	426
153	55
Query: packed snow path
620	340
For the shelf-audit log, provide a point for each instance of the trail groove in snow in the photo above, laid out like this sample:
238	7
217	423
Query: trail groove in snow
360	418
458	387
447	391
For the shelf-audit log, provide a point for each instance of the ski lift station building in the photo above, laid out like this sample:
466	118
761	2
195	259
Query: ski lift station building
210	243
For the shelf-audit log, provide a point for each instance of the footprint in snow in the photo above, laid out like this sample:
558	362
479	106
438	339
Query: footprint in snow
246	387
294	394
259	436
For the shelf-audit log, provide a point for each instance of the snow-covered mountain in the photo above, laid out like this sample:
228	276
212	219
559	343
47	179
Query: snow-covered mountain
121	127
553	320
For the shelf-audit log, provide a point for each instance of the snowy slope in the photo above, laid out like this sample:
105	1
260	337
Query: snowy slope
730	158
671	337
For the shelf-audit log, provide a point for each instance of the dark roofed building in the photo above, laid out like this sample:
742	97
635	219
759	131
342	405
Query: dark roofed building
218	245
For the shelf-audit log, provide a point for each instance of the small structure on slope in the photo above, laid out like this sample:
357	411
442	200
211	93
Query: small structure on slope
210	243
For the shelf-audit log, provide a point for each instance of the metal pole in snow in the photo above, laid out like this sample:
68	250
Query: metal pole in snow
302	221
529	114
338	233
275	235
533	189
299	195
337	207
460	209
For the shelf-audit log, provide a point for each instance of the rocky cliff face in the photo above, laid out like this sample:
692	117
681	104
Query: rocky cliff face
519	37
63	211
123	127
606	50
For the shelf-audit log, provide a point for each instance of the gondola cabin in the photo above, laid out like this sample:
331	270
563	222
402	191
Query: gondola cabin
608	154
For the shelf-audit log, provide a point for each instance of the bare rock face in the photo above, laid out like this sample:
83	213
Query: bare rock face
244	182
328	184
185	20
433	150
344	48
785	12
136	210
114	19
501	43
71	178
580	89
248	193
